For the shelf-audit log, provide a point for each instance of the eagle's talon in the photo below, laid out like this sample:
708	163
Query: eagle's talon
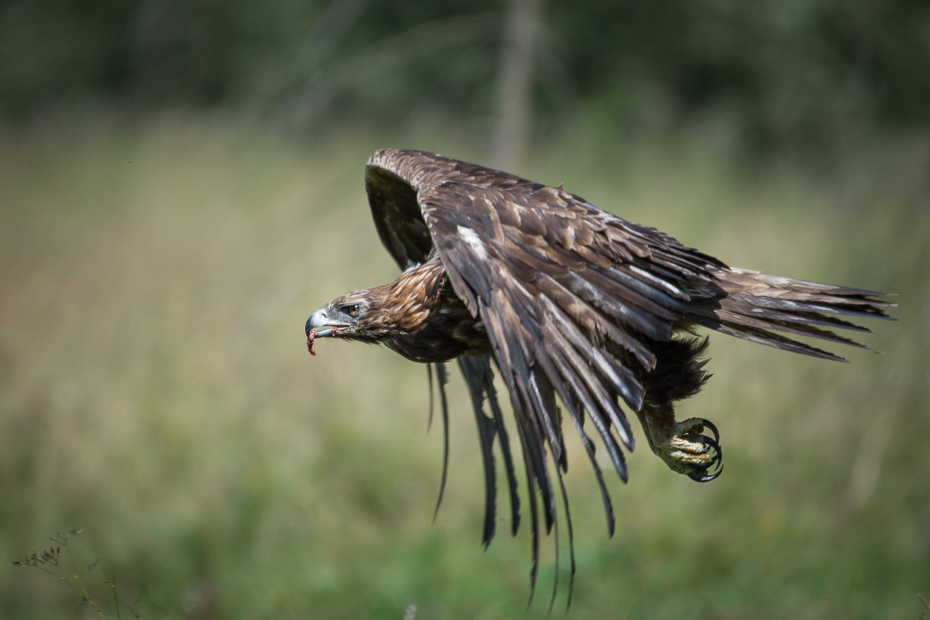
713	429
714	448
698	476
688	451
716	458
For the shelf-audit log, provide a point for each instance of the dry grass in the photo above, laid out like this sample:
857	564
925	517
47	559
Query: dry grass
156	390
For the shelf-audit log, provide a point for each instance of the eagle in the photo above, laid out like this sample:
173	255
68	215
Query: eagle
567	303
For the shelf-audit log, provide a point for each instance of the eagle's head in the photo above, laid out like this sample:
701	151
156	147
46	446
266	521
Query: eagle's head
418	315
357	315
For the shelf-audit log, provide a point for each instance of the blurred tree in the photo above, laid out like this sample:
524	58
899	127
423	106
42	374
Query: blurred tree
516	82
781	70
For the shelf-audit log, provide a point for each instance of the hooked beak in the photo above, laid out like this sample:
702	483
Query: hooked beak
320	323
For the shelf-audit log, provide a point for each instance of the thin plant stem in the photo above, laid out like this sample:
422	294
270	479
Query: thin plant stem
83	592
111	581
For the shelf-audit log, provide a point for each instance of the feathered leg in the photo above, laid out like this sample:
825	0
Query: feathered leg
679	374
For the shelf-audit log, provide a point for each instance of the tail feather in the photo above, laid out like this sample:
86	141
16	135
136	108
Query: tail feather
752	305
757	283
801	316
767	338
842	309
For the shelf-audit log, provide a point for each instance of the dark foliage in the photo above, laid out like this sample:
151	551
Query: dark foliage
799	72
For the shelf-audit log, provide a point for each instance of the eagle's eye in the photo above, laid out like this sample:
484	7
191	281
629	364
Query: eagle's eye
351	309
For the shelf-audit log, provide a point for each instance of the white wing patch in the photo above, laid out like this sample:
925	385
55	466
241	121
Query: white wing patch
474	241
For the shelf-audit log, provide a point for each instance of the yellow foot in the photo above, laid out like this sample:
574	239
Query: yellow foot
690	452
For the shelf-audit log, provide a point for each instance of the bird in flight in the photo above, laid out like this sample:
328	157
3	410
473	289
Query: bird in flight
564	300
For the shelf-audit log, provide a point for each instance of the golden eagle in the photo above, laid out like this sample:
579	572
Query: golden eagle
564	299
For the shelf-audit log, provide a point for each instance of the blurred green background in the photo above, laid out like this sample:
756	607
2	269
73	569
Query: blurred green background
181	184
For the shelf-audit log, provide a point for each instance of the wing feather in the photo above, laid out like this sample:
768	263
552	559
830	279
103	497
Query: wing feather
577	415
486	435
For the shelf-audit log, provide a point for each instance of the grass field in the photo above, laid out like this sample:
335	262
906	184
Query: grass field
156	391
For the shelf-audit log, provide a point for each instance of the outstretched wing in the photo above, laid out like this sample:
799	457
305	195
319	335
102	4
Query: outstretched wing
573	299
570	295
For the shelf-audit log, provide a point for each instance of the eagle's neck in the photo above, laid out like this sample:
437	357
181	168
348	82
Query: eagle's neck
425	321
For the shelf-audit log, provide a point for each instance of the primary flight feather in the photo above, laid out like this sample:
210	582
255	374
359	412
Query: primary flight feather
565	300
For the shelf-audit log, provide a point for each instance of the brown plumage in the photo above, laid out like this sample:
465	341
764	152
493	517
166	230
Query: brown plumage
566	300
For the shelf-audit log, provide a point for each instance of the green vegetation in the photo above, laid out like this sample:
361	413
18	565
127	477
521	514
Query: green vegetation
155	277
51	561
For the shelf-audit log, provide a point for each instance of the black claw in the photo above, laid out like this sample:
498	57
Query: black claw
698	476
702	475
714	458
712	428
